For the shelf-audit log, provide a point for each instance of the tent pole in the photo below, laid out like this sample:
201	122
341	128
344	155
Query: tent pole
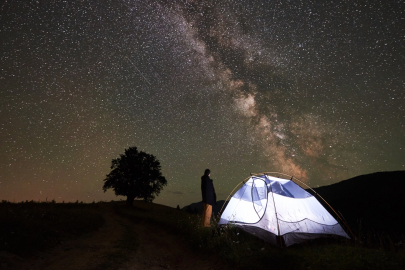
275	211
347	226
220	212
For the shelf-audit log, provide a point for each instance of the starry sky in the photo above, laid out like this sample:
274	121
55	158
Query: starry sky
313	89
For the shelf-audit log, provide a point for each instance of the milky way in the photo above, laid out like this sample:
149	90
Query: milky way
312	89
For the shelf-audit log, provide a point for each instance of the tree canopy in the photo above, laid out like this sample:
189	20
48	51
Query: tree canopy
135	174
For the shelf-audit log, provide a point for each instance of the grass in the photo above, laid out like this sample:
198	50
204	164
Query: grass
31	226
245	251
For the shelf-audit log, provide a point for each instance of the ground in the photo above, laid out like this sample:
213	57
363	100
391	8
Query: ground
111	247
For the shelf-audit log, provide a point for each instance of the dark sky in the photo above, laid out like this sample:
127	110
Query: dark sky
314	89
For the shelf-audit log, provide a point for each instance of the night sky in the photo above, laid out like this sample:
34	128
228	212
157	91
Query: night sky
313	89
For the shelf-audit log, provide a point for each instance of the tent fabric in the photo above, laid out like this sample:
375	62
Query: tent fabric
268	207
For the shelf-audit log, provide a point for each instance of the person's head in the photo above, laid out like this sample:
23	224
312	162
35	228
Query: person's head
207	172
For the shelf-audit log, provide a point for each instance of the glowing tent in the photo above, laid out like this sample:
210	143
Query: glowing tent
278	210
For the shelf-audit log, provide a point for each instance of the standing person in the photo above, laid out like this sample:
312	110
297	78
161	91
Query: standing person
209	197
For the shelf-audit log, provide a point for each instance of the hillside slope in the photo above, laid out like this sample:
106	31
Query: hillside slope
372	202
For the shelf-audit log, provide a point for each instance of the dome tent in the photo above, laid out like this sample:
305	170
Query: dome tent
278	210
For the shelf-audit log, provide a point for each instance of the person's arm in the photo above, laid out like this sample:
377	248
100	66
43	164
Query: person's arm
215	195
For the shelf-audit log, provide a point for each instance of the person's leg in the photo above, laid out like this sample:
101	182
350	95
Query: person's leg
203	215
207	215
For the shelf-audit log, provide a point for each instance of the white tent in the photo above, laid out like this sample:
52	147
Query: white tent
276	210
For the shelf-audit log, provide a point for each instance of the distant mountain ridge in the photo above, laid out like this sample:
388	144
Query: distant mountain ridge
375	201
199	206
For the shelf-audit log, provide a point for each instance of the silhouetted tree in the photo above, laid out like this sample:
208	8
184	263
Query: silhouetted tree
136	175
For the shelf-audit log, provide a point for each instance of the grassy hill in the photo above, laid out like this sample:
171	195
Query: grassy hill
32	226
228	245
244	251
376	200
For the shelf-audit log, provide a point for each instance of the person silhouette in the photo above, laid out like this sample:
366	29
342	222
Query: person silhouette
209	197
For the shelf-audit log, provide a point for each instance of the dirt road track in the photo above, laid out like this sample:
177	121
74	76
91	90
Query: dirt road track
156	249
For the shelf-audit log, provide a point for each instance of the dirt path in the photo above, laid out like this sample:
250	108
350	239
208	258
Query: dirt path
104	249
160	250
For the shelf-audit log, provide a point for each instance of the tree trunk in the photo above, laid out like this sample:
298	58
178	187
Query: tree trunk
130	200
